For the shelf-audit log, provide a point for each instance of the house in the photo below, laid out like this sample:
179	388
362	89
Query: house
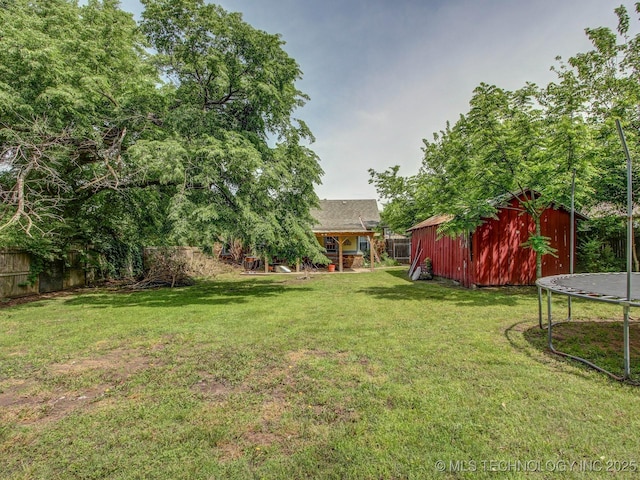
492	254
345	228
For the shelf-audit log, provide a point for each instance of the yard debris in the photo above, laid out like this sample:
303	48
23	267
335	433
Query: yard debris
166	268
175	267
178	267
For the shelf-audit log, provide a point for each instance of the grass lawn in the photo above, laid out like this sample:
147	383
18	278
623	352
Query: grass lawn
358	376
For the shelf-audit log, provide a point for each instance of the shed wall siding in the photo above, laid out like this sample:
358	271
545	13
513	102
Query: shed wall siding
449	256
556	224
497	256
501	258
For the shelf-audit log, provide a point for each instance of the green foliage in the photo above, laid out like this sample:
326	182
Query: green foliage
387	261
233	90
36	267
103	144
75	94
119	260
605	88
598	256
540	244
399	198
511	142
595	251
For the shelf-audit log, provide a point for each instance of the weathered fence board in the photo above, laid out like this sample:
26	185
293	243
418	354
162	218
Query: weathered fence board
15	267
14	273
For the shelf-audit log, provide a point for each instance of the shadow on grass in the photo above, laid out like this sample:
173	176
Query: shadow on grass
402	274
441	290
599	342
205	293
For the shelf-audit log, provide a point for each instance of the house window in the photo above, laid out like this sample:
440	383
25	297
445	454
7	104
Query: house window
331	244
363	244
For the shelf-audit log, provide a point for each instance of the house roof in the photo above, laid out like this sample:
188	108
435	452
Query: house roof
346	216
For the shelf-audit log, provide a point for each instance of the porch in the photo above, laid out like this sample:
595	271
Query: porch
347	249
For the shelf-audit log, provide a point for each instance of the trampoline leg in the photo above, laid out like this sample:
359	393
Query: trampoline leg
569	312
549	330
540	307
627	355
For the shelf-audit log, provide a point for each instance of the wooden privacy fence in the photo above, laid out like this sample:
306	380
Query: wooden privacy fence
399	249
15	268
14	274
619	246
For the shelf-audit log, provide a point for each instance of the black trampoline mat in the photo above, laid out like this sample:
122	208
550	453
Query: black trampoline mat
595	284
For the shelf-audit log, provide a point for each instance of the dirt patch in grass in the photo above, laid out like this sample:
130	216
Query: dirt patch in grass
229	451
212	389
291	406
304	354
15	392
12	302
123	361
27	403
605	336
46	399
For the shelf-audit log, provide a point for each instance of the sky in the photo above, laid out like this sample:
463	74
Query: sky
385	74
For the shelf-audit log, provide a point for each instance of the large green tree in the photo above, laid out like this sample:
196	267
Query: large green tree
104	142
249	172
501	148
602	85
76	92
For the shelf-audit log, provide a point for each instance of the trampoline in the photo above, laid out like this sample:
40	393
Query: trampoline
622	288
601	287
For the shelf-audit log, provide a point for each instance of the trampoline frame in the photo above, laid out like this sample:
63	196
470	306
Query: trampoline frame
550	285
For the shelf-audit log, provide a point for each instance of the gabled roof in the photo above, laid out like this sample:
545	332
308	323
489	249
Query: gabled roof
346	216
432	221
499	202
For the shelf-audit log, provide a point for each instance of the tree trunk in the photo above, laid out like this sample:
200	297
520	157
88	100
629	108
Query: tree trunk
538	254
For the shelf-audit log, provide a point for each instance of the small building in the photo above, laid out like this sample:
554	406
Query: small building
493	254
346	228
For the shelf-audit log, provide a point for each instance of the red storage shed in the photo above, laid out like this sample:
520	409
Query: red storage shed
492	254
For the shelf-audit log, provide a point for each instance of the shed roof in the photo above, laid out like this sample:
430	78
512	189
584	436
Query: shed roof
346	216
500	202
432	221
